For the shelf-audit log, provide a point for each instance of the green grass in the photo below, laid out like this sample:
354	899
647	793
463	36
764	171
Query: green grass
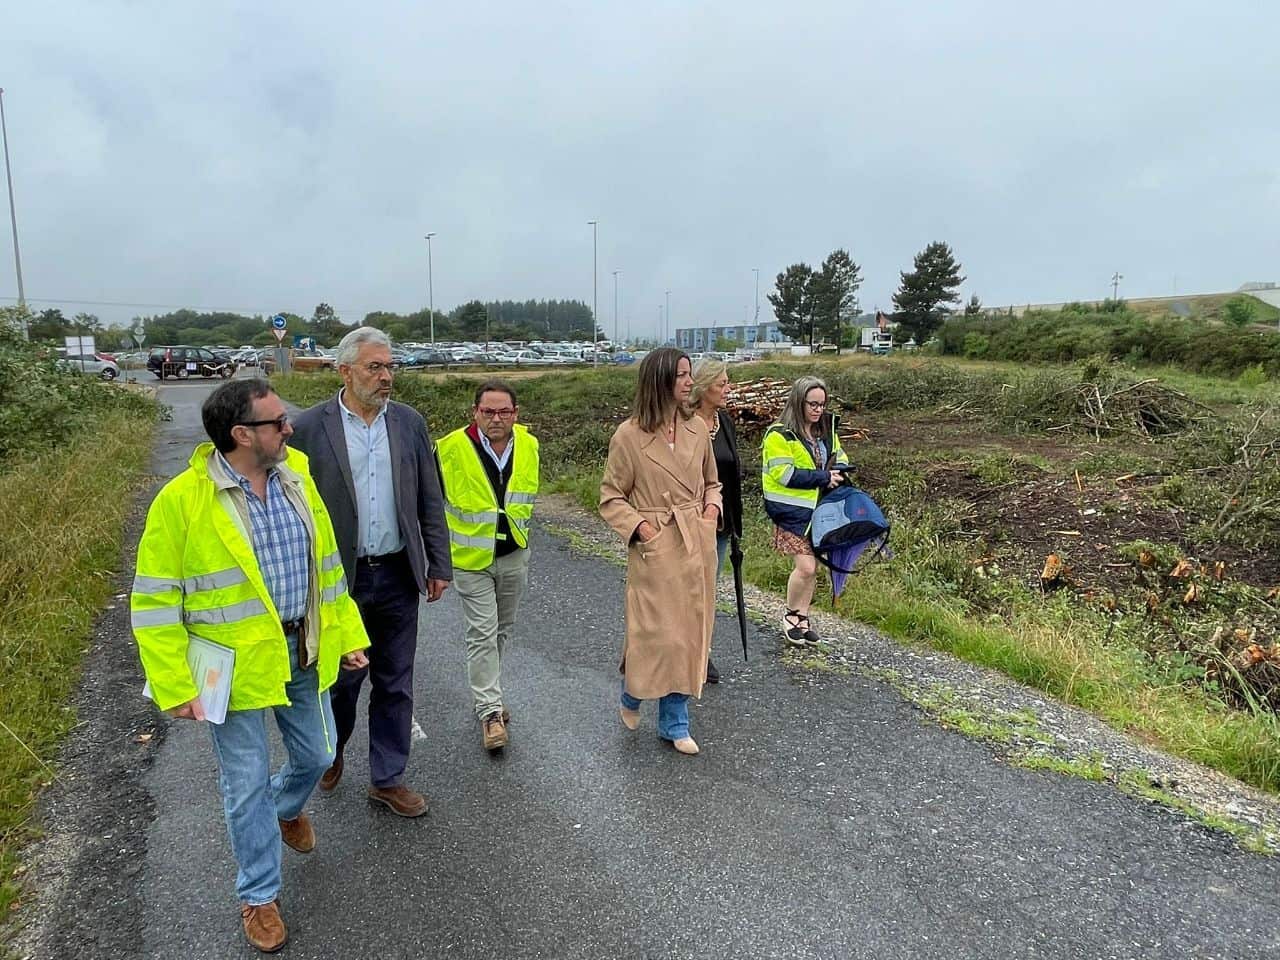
59	553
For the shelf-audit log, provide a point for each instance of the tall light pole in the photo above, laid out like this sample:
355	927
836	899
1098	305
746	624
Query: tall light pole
667	321
595	312
662	327
431	290
1115	284
13	220
756	318
615	308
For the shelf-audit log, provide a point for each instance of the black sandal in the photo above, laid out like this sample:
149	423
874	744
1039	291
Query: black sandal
794	635
810	635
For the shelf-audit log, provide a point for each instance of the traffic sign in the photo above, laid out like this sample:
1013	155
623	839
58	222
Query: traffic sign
278	322
280	334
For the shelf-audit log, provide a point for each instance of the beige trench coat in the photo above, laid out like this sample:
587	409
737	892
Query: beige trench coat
671	580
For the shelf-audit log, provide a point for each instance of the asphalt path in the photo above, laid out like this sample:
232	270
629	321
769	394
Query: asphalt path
822	819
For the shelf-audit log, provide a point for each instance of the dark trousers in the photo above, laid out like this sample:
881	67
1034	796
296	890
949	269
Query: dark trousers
387	597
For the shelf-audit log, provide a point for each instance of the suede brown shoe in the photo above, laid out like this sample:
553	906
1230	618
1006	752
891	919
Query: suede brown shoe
493	732
298	833
332	775
402	801
263	927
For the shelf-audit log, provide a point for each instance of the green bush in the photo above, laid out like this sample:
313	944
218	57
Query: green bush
43	406
976	346
1040	336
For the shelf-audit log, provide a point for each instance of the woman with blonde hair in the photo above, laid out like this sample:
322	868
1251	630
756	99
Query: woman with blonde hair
797	464
661	495
708	398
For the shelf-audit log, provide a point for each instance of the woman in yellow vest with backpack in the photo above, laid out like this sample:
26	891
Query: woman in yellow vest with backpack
797	464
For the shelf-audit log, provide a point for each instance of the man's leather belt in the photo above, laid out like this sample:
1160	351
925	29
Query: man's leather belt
293	626
380	559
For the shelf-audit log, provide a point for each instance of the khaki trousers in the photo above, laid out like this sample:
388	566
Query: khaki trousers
490	600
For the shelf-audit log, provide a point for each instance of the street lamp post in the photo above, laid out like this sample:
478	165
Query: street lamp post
667	322
662	328
756	318
615	308
431	290
595	312
13	220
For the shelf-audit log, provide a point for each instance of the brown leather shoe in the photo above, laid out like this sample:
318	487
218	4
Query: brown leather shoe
332	775
400	799
298	833
493	732
263	927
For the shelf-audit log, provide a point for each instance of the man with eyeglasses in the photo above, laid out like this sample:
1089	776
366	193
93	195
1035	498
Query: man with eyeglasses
238	549
490	474
373	462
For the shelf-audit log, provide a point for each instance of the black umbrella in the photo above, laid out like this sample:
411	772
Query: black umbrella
735	558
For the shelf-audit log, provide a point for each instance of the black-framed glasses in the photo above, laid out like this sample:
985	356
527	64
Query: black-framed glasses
377	366
816	404
278	422
492	413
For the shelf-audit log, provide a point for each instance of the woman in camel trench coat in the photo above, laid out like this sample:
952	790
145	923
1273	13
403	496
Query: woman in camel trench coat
661	494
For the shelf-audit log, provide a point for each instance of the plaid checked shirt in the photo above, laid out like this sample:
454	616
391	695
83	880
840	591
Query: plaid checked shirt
280	544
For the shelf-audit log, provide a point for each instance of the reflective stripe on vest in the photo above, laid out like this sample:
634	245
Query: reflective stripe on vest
795	500
231	613
160	617
486	516
214	581
151	585
330	561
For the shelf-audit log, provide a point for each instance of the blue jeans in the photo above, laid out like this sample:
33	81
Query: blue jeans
673	713
722	550
253	799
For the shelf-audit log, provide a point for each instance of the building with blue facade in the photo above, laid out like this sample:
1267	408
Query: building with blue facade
745	335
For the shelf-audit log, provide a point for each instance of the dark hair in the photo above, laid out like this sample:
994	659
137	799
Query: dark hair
230	404
655	401
497	386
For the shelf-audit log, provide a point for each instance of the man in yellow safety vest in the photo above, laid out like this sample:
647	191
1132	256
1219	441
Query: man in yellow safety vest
489	470
238	551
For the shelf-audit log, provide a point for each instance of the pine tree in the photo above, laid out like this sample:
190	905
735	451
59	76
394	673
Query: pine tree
793	302
924	294
974	307
835	291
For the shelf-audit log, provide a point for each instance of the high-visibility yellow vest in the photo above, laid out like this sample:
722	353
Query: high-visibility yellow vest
471	504
197	575
781	454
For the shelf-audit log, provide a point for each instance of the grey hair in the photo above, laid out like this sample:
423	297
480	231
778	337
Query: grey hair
349	346
793	417
705	372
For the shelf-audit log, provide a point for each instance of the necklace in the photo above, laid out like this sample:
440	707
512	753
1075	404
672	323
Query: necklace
714	427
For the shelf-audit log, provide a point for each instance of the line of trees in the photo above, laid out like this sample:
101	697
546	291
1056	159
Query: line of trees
496	320
819	304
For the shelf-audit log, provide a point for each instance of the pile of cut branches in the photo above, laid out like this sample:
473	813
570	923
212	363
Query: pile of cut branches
1144	409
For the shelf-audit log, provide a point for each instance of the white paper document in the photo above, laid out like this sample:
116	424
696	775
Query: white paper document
211	667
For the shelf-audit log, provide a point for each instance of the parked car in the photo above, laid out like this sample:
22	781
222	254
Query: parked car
309	361
531	358
426	357
622	358
184	361
97	364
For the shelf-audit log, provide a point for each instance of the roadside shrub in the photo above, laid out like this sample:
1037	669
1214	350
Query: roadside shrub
42	406
1238	312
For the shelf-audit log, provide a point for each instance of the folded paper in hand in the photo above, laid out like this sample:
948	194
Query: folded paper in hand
211	667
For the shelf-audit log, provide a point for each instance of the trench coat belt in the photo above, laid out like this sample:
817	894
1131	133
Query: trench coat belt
680	513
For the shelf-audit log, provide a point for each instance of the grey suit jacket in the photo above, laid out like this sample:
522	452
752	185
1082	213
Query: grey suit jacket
319	434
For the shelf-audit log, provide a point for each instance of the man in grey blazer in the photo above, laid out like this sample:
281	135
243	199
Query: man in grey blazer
374	464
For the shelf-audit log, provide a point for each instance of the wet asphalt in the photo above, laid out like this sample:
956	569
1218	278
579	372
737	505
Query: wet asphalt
824	818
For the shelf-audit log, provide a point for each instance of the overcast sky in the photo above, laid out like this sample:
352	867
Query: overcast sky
266	157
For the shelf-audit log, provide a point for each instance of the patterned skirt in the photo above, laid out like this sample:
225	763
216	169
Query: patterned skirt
791	544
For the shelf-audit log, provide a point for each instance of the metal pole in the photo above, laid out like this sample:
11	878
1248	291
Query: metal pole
13	220
661	326
666	329
431	290
756	318
615	308
595	311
